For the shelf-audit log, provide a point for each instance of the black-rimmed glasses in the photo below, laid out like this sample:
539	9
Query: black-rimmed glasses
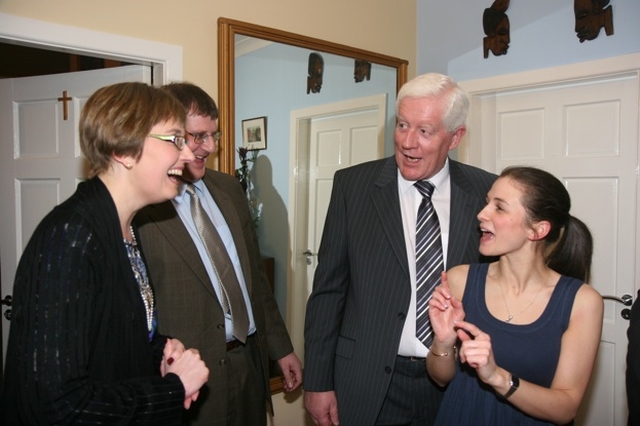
200	138
178	141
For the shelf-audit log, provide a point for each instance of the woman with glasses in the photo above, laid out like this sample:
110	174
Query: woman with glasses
83	346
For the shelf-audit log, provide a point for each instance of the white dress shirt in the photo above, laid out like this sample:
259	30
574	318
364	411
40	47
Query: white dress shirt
410	200
182	203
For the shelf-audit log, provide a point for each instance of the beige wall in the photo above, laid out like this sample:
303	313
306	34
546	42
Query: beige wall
382	26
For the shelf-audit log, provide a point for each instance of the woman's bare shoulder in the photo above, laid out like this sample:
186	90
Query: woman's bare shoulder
458	272
457	278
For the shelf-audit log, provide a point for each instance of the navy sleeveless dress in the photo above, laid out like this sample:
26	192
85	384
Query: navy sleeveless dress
530	352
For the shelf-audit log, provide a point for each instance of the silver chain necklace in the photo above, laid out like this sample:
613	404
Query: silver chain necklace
504	300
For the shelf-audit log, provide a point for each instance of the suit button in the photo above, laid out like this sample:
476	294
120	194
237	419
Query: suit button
388	370
401	315
222	362
220	326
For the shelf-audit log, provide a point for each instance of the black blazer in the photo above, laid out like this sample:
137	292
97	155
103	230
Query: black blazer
633	364
361	290
79	349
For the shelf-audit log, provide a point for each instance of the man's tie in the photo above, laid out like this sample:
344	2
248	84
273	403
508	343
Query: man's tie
429	260
231	295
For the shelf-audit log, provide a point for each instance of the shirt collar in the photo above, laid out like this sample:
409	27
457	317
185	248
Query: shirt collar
438	180
199	185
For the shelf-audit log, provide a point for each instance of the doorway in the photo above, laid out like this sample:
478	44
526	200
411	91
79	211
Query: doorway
164	59
30	61
323	139
579	122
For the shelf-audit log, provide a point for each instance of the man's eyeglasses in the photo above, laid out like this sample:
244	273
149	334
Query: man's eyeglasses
178	141
200	138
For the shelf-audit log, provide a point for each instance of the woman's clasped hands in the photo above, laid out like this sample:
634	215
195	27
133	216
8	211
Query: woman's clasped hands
187	365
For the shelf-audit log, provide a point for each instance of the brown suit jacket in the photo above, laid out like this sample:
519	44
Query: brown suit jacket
188	308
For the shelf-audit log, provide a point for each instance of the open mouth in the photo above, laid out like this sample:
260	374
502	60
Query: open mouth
486	235
411	159
200	158
175	175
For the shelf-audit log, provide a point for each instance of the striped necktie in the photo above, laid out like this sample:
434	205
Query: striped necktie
429	260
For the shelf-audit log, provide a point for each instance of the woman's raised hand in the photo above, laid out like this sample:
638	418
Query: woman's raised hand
444	311
477	352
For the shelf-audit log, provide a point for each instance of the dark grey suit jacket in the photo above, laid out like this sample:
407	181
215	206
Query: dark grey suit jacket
362	290
633	364
188	308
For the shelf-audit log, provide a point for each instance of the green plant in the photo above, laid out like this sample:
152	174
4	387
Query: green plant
243	174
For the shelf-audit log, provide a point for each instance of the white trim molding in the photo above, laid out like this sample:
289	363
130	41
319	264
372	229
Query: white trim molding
481	91
166	59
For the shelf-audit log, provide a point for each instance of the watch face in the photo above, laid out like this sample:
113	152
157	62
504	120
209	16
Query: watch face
514	383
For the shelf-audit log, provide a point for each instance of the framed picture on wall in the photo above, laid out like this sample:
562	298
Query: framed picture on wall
254	133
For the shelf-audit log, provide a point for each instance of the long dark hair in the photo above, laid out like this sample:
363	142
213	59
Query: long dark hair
569	244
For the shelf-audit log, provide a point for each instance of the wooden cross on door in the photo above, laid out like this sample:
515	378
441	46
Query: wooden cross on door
65	108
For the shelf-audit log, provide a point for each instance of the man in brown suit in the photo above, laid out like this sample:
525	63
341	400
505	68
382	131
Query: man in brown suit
187	288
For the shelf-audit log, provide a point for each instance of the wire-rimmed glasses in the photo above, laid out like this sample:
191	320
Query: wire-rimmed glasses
178	141
200	138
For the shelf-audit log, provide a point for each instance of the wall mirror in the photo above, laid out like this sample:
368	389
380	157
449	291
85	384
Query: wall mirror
263	73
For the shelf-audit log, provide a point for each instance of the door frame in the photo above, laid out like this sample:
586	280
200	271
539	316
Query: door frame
488	87
477	155
165	59
300	124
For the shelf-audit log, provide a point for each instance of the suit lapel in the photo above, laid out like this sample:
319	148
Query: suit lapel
169	223
228	209
385	198
462	208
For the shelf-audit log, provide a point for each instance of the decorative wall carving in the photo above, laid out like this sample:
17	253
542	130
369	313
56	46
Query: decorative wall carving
495	23
591	16
316	69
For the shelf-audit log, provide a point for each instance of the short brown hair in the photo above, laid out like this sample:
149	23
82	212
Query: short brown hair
117	119
194	100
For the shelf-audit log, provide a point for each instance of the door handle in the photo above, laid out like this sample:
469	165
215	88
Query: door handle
7	302
309	254
626	300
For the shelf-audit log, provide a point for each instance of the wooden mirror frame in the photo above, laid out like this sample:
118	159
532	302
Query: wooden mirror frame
227	29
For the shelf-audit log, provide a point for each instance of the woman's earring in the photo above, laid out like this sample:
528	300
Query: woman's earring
128	166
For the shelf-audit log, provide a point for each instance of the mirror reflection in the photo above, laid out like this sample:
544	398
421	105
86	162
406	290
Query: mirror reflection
264	73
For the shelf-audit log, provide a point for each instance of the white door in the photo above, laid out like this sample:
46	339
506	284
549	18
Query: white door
324	139
336	142
40	159
585	132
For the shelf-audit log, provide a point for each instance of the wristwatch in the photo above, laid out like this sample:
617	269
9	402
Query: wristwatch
514	383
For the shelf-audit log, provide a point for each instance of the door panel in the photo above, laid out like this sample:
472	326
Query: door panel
336	142
324	139
585	132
